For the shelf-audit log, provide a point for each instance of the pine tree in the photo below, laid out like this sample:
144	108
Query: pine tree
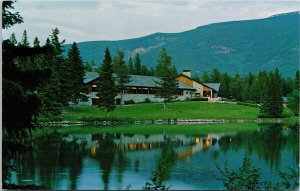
205	77
106	85
167	85
130	66
215	76
13	39
236	87
224	86
36	42
294	96
144	70
122	74
137	65
24	41
272	96
297	77
50	102
76	68
60	65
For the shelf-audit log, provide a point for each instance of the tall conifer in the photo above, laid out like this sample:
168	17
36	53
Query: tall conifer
76	69
122	74
137	65
13	39
167	85
106	85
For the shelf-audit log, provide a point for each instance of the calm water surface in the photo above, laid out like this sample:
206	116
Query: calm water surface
104	161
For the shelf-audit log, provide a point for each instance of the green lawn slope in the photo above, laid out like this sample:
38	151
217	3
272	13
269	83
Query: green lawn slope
153	111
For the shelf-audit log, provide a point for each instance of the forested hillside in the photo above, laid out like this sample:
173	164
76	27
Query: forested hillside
232	47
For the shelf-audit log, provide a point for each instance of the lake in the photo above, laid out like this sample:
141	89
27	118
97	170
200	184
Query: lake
120	161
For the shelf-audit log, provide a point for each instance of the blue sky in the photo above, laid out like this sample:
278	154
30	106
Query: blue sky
122	19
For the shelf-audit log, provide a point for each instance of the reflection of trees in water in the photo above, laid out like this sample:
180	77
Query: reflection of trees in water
267	143
121	164
71	155
164	166
53	156
105	154
136	165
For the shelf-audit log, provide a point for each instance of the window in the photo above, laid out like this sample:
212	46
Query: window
94	87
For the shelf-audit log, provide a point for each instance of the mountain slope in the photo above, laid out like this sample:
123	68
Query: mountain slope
233	47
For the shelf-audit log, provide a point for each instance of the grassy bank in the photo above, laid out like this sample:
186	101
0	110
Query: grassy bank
177	110
151	129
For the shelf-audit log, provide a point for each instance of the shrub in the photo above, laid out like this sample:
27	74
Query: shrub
248	177
147	100
129	102
199	99
187	99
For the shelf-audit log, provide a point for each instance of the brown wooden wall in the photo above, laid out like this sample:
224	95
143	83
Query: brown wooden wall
185	80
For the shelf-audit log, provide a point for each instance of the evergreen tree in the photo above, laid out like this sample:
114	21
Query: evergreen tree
106	85
137	65
205	77
122	74
50	102
75	65
297	80
87	67
130	66
13	39
224	86
272	96
255	90
287	86
36	42
294	101
236	87
167	85
196	78
215	76
144	70
60	65
276	89
24	41
294	96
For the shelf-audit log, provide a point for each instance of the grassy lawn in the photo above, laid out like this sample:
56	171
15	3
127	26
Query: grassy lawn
177	110
152	129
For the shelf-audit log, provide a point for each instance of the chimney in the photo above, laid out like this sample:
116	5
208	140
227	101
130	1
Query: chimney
187	73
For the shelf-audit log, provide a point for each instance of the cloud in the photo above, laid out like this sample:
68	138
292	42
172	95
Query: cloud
115	20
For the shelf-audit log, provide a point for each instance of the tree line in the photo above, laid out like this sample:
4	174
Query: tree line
134	66
65	83
264	88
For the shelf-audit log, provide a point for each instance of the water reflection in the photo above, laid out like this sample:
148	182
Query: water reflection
106	161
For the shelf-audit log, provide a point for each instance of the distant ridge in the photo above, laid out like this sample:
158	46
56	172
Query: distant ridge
232	47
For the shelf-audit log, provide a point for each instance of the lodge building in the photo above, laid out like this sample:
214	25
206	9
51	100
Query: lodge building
141	88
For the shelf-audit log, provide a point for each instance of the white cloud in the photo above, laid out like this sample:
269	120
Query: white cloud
114	20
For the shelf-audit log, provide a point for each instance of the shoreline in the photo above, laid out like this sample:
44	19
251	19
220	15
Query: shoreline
106	122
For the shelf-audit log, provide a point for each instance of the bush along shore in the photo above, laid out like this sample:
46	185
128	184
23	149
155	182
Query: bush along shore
105	122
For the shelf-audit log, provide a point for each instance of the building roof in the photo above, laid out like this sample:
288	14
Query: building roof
285	99
90	76
215	86
136	80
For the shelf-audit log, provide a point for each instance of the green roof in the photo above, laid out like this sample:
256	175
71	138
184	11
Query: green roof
90	76
136	80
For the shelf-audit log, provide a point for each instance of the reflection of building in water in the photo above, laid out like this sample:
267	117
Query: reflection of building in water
201	143
131	142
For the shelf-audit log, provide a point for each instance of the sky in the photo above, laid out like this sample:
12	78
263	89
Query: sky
80	21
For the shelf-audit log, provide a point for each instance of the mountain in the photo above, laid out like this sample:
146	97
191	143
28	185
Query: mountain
232	47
